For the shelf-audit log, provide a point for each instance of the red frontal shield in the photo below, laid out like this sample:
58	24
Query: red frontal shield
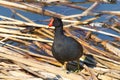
51	22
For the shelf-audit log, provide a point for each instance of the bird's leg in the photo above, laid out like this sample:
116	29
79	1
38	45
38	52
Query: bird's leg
64	66
78	66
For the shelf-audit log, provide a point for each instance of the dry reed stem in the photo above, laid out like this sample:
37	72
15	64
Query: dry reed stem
85	13
42	66
115	29
48	32
11	27
71	5
26	51
38	25
98	31
109	64
29	70
29	8
23	24
105	58
93	49
41	46
117	13
111	48
14	32
106	44
44	34
74	22
112	61
91	72
26	38
45	30
28	20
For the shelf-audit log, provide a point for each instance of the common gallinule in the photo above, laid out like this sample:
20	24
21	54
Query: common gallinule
64	48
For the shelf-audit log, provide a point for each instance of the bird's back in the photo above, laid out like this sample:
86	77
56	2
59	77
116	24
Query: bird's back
66	49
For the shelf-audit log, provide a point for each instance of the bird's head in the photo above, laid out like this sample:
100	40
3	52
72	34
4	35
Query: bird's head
56	22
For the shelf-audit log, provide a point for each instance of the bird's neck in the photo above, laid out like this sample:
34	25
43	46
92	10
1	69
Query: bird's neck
58	31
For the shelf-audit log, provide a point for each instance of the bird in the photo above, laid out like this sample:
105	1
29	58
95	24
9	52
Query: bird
64	48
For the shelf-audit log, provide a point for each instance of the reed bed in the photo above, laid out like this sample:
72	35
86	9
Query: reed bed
28	56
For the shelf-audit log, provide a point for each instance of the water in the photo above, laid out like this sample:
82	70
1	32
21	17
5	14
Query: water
67	11
63	10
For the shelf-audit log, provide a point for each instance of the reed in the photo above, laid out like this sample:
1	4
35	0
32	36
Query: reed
28	55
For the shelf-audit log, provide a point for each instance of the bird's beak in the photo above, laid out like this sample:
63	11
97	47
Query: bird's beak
51	22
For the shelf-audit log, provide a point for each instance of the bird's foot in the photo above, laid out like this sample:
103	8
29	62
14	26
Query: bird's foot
65	70
76	71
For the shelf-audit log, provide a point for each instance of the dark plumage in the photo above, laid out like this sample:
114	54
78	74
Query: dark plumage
64	48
